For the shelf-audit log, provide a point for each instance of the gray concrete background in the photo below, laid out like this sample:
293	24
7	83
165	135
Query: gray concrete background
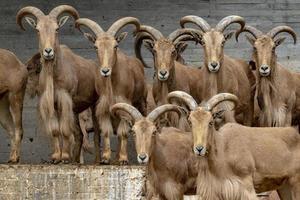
163	15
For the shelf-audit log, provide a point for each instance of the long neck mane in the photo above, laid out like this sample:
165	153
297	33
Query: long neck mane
215	181
164	87
211	84
266	92
47	92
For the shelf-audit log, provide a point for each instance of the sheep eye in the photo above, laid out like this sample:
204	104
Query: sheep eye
211	123
154	132
273	49
223	43
116	46
95	47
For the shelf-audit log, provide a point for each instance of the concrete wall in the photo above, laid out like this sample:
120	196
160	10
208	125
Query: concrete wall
162	14
68	182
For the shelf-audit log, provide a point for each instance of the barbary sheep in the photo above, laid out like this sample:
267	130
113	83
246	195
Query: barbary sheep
223	73
277	88
171	163
66	81
236	161
122	80
13	80
170	75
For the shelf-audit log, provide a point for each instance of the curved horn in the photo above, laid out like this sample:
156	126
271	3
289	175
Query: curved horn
115	27
93	26
279	29
185	97
132	111
200	22
157	112
138	45
29	10
184	31
250	29
217	99
156	34
226	21
59	10
184	38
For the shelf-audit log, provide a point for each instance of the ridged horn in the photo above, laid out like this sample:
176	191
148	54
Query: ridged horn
184	31
115	27
59	10
157	112
217	99
29	10
280	29
156	34
183	96
93	26
140	37
226	21
250	29
200	22
132	111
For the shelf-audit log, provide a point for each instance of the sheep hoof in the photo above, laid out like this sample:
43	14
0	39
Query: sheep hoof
123	162
104	162
55	162
65	161
11	161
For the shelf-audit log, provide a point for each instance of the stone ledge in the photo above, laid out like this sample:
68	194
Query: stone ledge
71	182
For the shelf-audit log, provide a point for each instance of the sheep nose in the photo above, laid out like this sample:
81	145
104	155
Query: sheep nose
163	72
105	70
48	50
214	64
264	67
199	149
142	156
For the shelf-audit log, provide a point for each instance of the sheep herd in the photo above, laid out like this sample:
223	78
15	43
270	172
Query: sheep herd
223	131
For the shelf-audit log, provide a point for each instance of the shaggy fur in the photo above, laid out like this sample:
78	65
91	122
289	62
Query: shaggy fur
13	80
235	70
240	159
278	105
124	83
171	171
181	77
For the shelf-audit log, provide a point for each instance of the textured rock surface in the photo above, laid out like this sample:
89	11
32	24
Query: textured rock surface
64	182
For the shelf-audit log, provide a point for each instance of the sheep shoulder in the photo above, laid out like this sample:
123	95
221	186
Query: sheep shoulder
174	152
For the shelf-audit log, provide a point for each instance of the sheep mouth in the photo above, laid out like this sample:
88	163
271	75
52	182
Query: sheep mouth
264	74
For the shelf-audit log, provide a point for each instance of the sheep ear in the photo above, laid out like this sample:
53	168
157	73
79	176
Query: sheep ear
90	37
63	20
149	44
31	22
180	47
227	36
279	41
121	37
250	39
252	65
218	114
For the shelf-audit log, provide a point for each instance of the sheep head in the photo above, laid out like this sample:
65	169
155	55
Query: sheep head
47	26
144	128
165	50
203	117
106	43
212	39
264	46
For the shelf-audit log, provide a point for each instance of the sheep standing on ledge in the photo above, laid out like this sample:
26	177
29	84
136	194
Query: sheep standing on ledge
172	165
238	161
